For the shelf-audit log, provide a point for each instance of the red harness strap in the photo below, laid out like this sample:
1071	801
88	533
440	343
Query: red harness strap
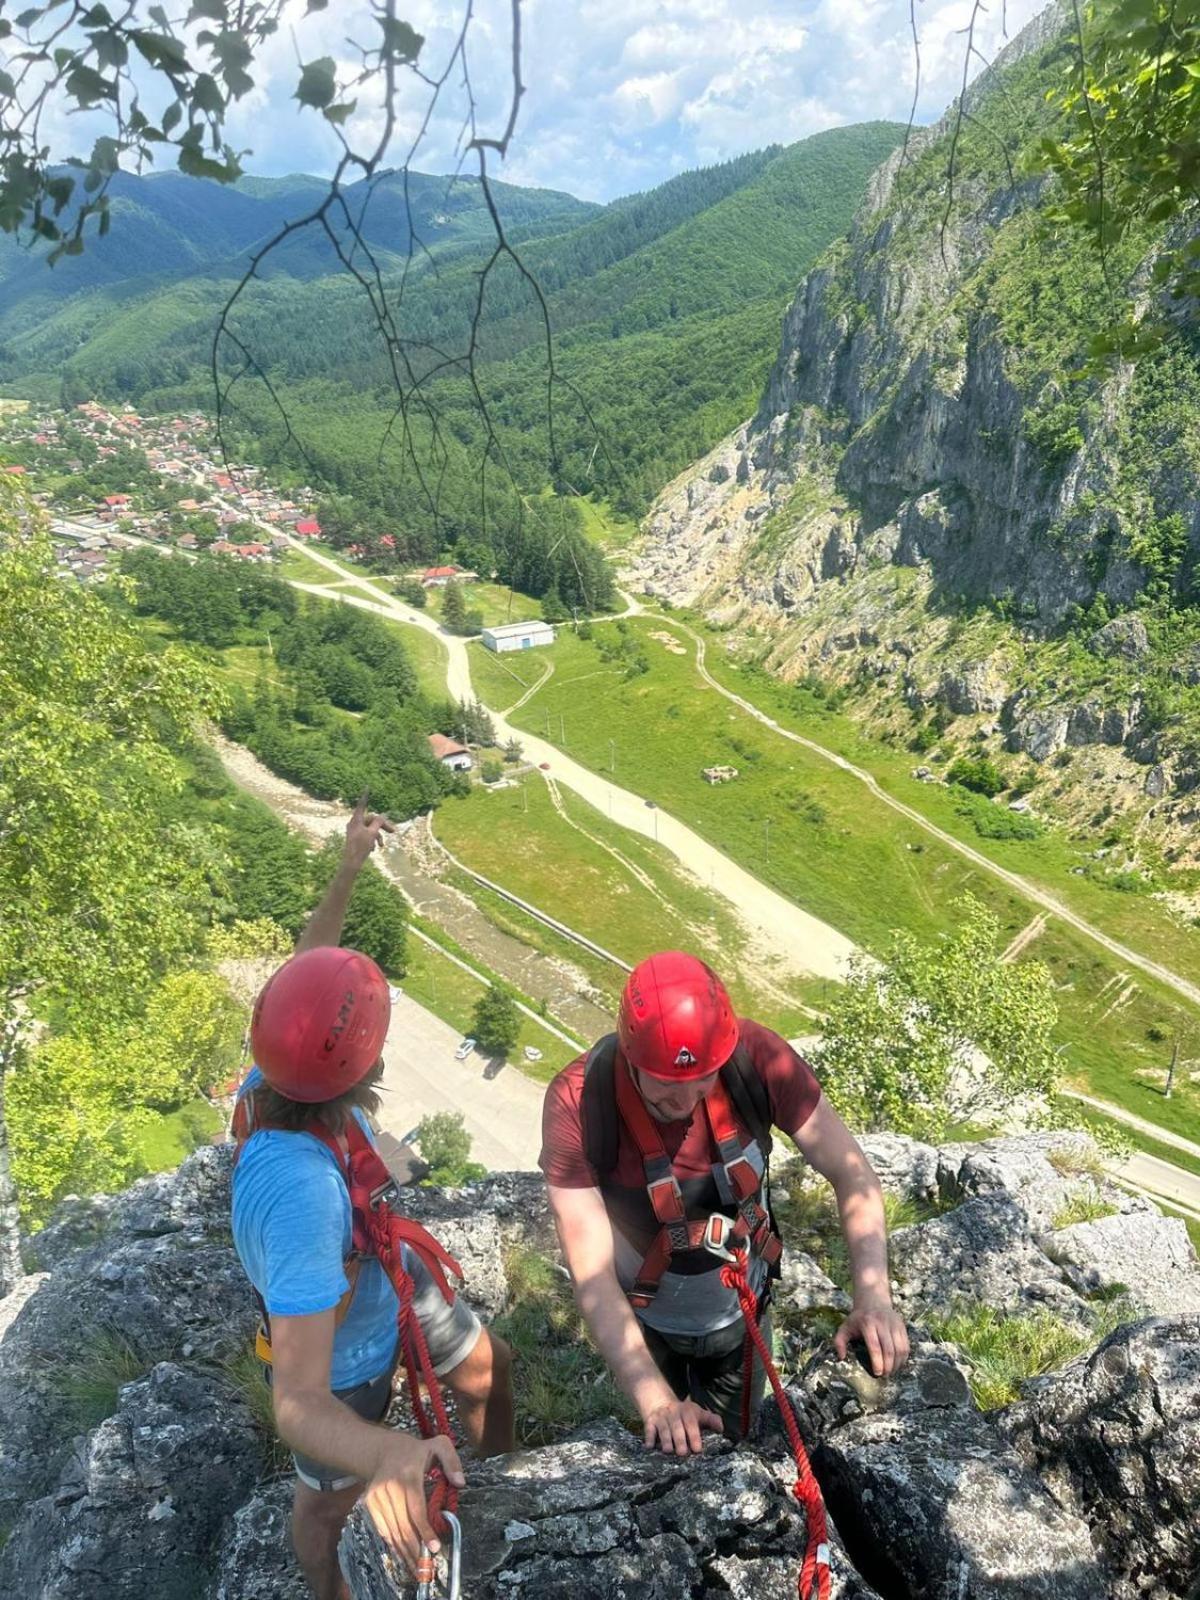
377	1230
677	1233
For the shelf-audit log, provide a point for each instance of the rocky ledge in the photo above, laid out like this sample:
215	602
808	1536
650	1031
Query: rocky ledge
1085	1488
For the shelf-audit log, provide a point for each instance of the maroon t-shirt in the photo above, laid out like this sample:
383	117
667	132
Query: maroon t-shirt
792	1092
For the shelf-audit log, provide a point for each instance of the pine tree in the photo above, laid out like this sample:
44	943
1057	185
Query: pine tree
454	609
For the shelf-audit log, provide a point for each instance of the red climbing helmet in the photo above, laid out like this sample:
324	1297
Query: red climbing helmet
320	1022
676	1021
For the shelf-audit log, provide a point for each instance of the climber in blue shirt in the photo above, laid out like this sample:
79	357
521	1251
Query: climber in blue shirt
330	1329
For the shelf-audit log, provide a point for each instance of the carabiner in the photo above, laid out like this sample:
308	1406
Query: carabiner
427	1571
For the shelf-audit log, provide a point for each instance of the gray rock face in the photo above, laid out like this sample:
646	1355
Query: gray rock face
933	1501
1021	1168
1116	1437
139	1509
1124	638
903	1166
256	1560
600	1518
982	1251
974	688
1150	1257
1040	734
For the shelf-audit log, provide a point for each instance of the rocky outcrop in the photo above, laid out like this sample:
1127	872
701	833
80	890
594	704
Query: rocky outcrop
1086	1487
1124	638
599	1518
1115	1437
934	1501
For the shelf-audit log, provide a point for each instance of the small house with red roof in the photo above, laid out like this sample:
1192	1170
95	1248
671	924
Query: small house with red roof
15	471
438	577
115	500
450	753
310	528
388	541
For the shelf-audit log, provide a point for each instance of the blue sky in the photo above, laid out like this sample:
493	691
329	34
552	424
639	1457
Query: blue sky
624	93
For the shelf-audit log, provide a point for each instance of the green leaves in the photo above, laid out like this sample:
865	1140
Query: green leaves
318	83
401	42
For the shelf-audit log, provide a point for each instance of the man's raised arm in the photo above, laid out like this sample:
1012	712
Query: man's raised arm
363	833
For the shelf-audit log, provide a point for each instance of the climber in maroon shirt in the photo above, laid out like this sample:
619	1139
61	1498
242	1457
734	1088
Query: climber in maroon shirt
645	1138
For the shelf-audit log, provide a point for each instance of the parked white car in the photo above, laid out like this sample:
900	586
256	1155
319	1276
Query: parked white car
464	1050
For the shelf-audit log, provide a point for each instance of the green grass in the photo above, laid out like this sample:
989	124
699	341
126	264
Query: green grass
497	603
817	834
559	1381
244	1375
1085	1205
623	891
501	680
604	526
1135	1139
1003	1351
428	656
170	1138
90	1383
294	564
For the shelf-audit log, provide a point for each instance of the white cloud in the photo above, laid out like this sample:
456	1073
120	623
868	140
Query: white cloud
620	93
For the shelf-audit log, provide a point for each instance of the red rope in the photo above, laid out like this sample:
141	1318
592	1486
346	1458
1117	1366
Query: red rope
418	1367
814	1574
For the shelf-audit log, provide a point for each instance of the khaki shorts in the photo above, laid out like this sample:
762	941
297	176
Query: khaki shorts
451	1332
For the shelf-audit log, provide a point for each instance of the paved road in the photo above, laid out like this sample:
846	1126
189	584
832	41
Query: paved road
1153	1129
1162	1181
503	1114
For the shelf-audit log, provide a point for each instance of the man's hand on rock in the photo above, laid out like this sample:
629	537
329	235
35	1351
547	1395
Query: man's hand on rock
395	1496
676	1427
882	1330
363	833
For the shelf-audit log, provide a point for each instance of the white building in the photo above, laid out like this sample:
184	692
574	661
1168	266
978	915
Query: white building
450	753
518	636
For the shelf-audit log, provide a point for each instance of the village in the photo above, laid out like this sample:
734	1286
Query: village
199	503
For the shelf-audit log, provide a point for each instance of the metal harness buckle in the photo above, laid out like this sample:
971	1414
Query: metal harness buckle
718	1231
426	1580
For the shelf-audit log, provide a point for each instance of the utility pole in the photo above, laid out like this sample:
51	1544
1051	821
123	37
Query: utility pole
1171	1071
612	755
562	728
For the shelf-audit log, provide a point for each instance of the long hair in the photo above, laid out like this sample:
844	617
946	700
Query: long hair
274	1110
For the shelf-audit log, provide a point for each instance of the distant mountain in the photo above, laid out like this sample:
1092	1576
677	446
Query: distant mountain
665	308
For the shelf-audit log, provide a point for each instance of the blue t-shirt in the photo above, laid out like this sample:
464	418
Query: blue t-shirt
292	1230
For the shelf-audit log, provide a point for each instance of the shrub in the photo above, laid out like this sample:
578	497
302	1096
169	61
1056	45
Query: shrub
491	770
413	591
446	1147
978	773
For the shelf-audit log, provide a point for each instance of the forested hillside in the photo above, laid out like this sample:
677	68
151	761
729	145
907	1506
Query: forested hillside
665	309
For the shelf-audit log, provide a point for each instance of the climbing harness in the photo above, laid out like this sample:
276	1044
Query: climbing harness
677	1234
427	1572
379	1231
721	1241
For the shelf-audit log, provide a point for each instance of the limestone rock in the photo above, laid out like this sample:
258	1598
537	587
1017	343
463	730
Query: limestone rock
600	1518
982	1251
1040	734
1116	1437
973	688
1124	637
140	1508
903	1166
256	1559
1149	1256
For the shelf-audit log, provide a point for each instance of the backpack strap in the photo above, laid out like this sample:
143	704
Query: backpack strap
748	1092
598	1106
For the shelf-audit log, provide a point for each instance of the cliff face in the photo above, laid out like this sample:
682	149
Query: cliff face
931	443
135	1463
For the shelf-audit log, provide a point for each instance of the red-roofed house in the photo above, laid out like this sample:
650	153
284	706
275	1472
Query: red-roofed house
388	541
250	551
436	577
310	528
16	472
116	500
222	480
450	753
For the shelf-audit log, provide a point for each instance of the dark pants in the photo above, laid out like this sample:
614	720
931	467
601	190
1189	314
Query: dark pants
709	1369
